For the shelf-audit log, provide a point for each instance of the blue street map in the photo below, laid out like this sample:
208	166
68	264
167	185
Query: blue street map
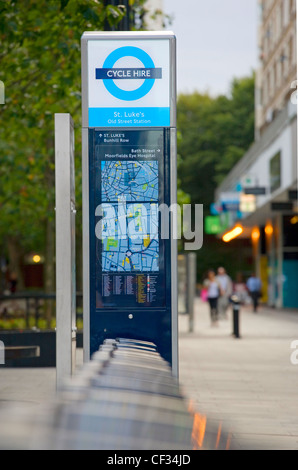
135	180
129	194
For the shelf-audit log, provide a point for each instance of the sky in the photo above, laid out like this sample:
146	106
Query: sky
216	42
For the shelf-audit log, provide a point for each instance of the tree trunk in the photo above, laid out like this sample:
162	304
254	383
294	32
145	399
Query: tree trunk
15	254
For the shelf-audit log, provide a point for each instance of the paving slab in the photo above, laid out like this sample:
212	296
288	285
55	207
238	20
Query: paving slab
248	384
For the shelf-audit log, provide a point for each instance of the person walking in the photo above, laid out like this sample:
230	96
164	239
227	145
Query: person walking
226	287
254	287
213	293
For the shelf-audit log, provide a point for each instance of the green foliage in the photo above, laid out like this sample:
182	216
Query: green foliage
41	69
215	134
18	323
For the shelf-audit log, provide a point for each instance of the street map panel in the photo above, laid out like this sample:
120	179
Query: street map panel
130	224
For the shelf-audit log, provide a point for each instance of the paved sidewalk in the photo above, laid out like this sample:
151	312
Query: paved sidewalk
247	385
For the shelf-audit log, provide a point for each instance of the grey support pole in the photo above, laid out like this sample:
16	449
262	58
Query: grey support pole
65	248
2	353
191	287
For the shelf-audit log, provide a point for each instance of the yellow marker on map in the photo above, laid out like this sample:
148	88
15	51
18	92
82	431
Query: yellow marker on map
146	241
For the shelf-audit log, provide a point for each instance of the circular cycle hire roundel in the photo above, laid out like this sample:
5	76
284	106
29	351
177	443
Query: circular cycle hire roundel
128	95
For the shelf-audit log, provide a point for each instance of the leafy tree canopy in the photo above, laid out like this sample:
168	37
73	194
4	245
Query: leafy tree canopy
215	134
41	69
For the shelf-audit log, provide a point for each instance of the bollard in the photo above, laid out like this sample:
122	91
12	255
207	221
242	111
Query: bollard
236	309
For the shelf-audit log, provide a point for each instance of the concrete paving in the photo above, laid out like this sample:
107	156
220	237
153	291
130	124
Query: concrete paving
247	387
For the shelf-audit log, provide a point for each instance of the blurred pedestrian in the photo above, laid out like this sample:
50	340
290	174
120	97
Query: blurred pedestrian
226	286
254	287
213	293
240	289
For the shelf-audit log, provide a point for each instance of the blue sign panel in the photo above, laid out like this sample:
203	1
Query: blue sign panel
125	74
133	117
129	86
130	265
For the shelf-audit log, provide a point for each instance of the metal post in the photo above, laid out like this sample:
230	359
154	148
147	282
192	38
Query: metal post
2	353
36	312
191	287
65	248
174	258
236	309
27	313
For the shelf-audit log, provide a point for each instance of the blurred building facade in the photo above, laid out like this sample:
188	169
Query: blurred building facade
264	182
277	59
